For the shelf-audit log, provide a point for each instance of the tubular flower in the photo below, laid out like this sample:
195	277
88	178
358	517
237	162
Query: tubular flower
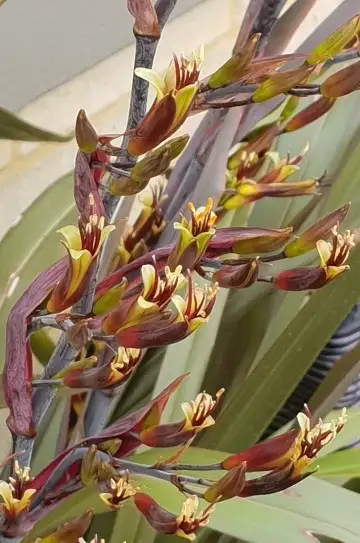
198	415
180	73
185	525
248	191
16	494
118	490
175	94
194	236
292	451
155	296
244	165
196	308
333	258
198	412
109	375
14	502
83	245
165	329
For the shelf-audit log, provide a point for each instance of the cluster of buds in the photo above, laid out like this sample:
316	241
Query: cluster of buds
245	185
146	228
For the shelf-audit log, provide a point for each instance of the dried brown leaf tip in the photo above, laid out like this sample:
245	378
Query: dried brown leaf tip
146	21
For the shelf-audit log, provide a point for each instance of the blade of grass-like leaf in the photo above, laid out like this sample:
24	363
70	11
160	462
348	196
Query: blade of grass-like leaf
14	128
249	410
340	464
339	378
287	25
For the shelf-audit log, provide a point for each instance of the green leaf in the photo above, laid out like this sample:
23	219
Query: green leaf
249	410
287	517
14	128
32	244
340	464
42	346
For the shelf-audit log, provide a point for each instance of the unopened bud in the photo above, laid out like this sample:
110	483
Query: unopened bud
228	486
86	136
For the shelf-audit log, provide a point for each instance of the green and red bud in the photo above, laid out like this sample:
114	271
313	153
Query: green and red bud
86	135
229	486
342	82
309	114
249	191
335	43
321	229
247	241
281	82
236	67
154	163
237	276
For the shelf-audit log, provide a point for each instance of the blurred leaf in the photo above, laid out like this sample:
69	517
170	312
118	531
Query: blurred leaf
286	26
340	464
42	346
31	245
247	414
14	128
